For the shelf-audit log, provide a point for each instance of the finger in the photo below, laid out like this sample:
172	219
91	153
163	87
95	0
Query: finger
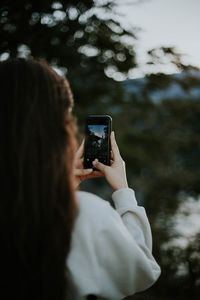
115	149
95	174
99	165
82	172
80	150
80	163
111	155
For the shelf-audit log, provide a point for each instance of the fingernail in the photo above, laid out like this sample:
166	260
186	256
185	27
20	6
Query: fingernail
89	170
95	161
113	133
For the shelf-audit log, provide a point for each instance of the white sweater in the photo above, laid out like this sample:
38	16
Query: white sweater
111	253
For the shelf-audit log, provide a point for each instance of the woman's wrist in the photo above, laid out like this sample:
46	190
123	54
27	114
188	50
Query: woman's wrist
121	186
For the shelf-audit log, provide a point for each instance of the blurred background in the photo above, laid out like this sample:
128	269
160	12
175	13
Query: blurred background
138	61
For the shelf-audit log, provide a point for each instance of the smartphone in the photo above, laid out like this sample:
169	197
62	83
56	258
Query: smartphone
97	140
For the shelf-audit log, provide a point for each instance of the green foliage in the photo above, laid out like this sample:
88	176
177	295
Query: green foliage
184	280
161	145
82	37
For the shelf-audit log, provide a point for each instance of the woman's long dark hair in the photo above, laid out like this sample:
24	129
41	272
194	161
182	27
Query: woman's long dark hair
37	201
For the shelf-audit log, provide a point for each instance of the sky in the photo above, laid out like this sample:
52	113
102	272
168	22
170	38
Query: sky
98	129
163	23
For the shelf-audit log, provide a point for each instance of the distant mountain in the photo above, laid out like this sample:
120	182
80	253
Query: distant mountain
157	87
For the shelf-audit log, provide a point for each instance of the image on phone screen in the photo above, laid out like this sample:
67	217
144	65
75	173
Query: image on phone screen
97	140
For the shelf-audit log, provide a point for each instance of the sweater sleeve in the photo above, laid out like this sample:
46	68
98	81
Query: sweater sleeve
125	249
134	217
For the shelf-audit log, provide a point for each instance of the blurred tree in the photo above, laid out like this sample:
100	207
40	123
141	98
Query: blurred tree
160	142
83	38
182	270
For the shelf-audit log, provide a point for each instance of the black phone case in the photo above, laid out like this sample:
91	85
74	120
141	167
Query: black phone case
103	157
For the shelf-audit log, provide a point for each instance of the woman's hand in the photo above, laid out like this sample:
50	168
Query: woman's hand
81	174
116	173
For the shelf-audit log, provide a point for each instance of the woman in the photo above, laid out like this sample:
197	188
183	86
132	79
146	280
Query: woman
41	213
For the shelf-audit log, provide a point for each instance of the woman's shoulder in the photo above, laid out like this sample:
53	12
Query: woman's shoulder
88	197
94	213
92	203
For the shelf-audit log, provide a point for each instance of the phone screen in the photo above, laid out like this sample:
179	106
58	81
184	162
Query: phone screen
97	142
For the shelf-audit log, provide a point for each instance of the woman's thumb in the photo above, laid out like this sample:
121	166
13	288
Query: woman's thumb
98	165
